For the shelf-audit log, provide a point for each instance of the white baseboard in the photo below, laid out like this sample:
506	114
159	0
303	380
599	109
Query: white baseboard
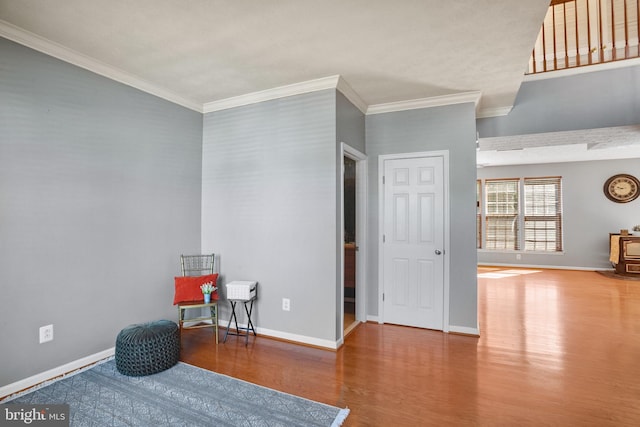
464	330
374	319
546	267
302	339
12	388
452	328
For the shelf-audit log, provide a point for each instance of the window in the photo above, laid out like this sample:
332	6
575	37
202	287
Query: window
512	222
543	214
501	214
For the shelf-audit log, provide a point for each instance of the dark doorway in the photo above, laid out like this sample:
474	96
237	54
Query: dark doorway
350	248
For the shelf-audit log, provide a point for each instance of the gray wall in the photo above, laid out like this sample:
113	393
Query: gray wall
99	194
584	101
350	124
350	129
588	216
443	128
269	207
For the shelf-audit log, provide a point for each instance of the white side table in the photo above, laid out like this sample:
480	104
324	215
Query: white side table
245	292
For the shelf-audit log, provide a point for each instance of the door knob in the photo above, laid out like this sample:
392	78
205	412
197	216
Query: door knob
438	252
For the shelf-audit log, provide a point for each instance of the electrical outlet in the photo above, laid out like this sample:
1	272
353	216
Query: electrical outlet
46	333
518	256
286	304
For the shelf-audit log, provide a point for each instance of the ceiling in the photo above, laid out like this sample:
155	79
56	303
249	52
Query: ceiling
199	52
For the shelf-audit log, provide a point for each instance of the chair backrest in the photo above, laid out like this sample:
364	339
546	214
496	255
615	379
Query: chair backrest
197	265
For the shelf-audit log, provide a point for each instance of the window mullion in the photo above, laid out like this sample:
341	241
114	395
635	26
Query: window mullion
521	231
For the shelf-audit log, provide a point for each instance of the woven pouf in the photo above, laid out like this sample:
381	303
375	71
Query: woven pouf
147	348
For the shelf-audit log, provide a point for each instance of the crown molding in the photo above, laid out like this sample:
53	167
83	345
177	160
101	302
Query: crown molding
434	101
309	86
41	44
339	83
485	113
351	95
332	82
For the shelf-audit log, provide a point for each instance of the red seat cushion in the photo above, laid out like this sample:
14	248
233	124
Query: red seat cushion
188	288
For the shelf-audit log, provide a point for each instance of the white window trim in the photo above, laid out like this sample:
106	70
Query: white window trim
521	221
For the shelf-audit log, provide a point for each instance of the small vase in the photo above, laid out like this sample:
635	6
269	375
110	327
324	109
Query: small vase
207	298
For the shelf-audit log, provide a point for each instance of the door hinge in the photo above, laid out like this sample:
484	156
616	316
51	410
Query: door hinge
382	179
384	238
383	297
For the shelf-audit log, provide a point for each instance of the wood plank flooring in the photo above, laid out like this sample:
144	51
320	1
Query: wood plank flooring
556	348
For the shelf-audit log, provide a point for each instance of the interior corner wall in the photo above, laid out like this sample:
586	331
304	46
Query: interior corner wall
99	194
269	208
449	128
591	100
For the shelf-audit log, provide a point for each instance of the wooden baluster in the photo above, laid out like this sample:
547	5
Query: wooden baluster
544	49
575	14
564	27
614	53
533	59
600	31
590	53
555	48
626	32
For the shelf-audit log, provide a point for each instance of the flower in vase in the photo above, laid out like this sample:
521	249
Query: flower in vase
207	288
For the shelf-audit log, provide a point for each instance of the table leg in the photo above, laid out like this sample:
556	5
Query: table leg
233	317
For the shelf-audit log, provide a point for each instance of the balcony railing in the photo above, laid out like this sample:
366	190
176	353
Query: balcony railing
586	32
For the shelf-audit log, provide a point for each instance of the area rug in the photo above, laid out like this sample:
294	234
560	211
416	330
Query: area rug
183	395
611	274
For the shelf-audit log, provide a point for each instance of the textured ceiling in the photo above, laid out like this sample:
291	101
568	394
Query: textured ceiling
387	51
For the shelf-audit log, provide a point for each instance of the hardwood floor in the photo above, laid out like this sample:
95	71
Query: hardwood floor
556	348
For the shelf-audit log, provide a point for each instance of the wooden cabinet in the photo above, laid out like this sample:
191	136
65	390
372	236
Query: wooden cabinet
349	265
625	253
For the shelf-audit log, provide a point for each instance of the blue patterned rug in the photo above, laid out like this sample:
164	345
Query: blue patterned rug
183	395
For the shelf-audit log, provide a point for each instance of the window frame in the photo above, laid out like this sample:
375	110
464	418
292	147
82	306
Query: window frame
556	217
501	215
543	239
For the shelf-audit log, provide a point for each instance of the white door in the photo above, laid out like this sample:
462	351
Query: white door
413	239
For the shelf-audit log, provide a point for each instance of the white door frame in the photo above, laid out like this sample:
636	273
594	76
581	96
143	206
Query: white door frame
361	232
447	228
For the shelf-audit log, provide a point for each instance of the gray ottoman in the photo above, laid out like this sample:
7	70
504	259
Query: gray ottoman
147	348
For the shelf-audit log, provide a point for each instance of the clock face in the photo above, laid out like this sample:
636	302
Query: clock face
622	188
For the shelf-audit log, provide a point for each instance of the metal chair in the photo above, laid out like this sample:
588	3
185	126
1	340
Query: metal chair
198	265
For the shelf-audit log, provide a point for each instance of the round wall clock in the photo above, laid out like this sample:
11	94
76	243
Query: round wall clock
622	188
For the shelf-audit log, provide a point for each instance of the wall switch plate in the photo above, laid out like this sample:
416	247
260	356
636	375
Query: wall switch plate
286	304
46	333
